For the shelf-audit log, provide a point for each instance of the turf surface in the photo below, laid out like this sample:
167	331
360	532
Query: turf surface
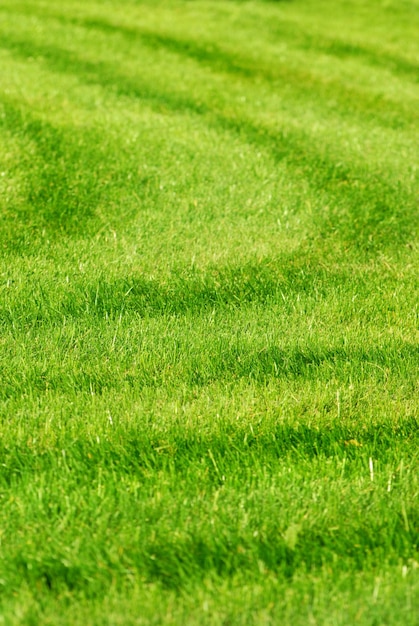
209	312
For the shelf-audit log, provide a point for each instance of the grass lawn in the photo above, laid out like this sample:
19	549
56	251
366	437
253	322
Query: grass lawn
209	307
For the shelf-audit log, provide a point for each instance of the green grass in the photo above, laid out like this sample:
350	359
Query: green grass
209	312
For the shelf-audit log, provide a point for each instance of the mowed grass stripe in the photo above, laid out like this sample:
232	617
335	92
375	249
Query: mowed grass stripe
368	209
251	527
134	353
286	29
298	152
313	81
295	282
313	84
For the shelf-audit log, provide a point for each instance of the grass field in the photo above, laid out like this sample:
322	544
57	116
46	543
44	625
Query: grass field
209	312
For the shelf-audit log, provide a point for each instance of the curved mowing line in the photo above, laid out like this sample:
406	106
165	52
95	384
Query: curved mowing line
367	212
56	192
378	108
273	281
62	191
213	54
342	49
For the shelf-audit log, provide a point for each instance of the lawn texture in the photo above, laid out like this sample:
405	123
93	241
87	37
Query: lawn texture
209	312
